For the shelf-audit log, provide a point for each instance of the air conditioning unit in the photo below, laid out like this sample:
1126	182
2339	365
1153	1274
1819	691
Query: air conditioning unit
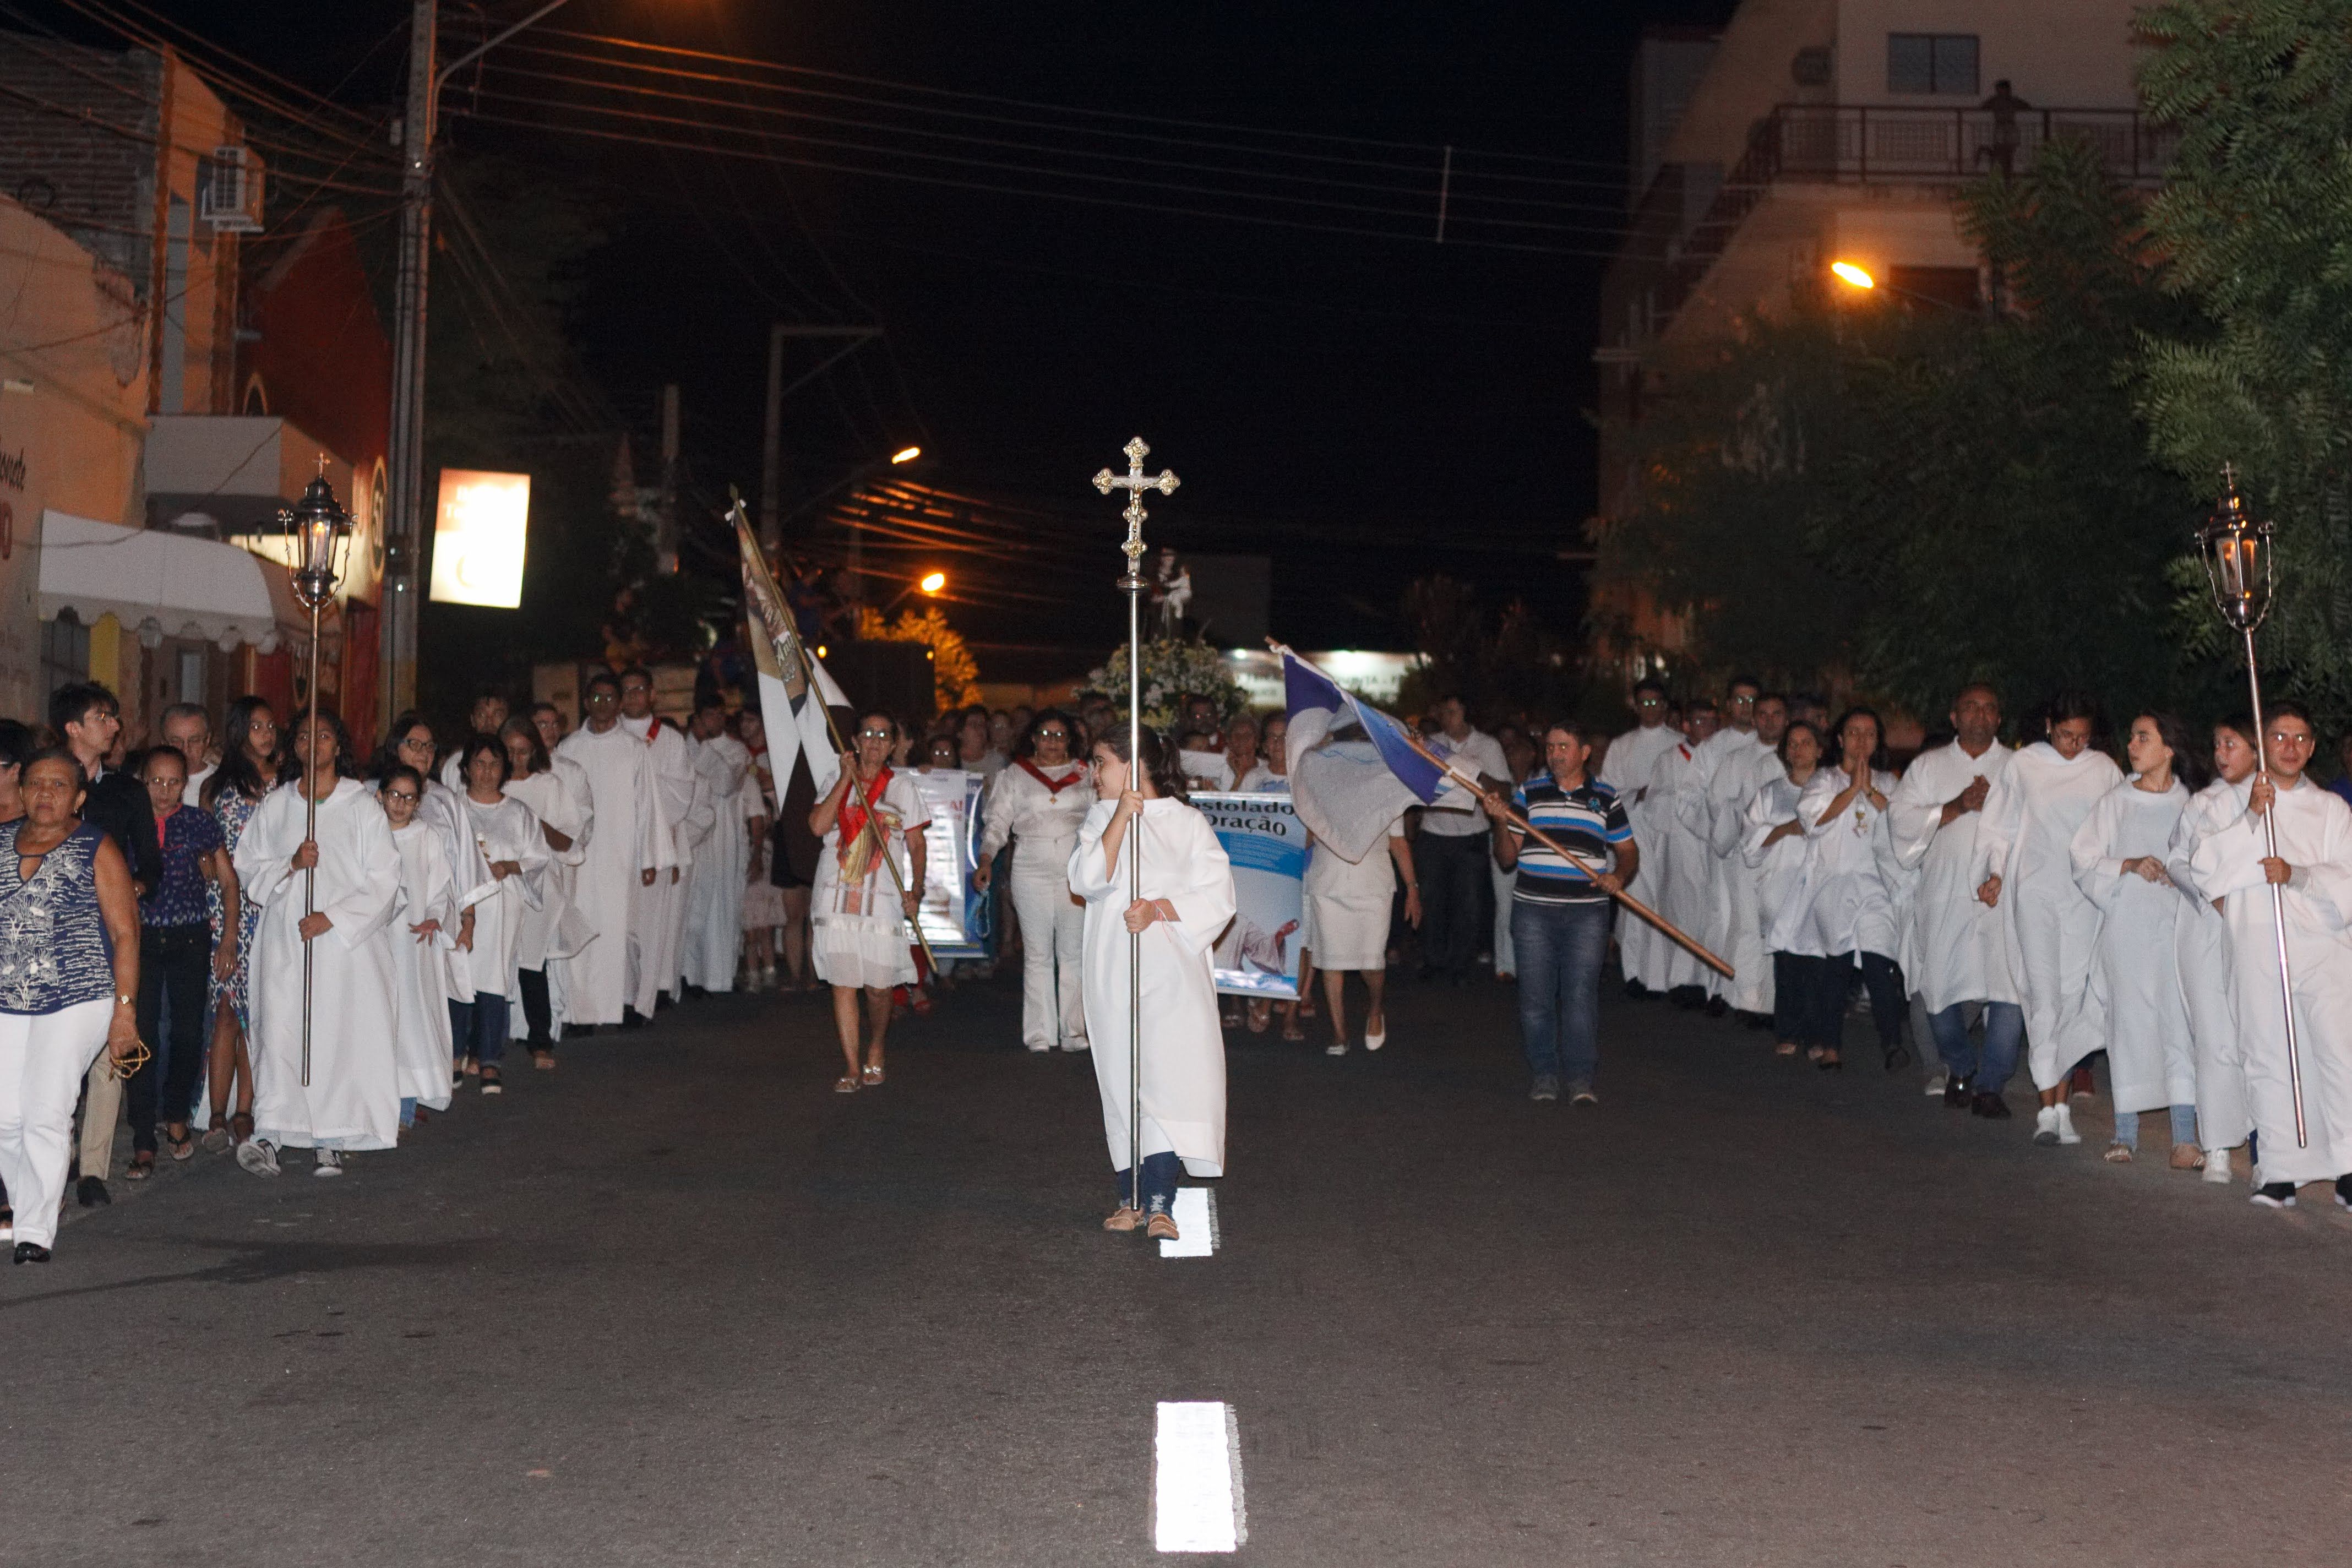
228	194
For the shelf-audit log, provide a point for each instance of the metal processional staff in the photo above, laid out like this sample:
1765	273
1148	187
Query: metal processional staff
1135	481
2236	551
316	529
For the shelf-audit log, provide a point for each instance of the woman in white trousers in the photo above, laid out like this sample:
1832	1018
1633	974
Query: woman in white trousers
68	985
1039	803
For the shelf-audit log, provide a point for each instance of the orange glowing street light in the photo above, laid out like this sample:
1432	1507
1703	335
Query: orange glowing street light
1855	274
905	455
933	582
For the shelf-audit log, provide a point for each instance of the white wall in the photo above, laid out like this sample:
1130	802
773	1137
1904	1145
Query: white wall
2070	54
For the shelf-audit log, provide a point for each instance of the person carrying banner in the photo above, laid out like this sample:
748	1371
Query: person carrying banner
1187	897
1560	913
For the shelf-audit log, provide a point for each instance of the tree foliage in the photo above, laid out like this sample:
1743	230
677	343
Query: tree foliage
955	674
2256	218
1503	664
1906	499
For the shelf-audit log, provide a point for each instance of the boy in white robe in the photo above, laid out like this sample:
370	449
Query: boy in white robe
2313	871
2025	871
2201	950
1186	900
621	854
353	1099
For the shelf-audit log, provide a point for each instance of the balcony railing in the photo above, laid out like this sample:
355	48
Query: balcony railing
1843	142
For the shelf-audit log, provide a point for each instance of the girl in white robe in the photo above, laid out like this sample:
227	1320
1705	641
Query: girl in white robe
2133	1003
2313	871
2025	871
2201	951
353	1100
423	936
555	930
1841	913
1773	851
513	852
1187	899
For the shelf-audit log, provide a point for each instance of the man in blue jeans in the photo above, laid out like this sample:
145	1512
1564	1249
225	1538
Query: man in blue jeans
1559	913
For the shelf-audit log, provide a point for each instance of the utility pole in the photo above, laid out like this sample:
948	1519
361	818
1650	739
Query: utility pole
772	448
404	524
666	526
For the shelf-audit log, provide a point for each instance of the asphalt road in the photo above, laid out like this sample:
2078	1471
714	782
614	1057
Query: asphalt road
679	1303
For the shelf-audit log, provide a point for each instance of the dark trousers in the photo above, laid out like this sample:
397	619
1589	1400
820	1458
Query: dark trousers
1790	995
478	1029
1454	887
1160	1173
535	1009
1832	978
175	965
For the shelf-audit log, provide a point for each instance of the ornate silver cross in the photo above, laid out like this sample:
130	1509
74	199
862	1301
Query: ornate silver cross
1135	481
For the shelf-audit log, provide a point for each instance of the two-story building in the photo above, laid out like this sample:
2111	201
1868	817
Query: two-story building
1809	131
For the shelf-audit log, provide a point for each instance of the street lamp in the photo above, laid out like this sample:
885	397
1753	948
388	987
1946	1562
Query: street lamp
903	456
1857	277
318	533
931	582
1852	273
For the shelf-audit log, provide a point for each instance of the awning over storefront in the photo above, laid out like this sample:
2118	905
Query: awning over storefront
186	587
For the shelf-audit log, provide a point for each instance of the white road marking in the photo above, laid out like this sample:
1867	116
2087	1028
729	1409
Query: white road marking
1196	1479
1195	1214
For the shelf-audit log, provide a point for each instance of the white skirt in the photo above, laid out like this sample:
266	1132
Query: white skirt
859	949
1346	931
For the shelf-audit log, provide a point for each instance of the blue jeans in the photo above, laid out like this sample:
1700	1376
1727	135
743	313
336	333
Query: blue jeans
1560	947
478	1029
1160	1173
2184	1126
2004	1036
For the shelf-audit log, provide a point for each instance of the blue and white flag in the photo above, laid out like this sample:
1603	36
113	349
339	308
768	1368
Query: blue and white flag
1348	792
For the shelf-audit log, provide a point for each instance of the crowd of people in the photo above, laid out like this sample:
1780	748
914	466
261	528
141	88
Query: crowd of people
2041	904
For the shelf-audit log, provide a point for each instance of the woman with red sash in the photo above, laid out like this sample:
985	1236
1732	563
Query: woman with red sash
1038	803
872	815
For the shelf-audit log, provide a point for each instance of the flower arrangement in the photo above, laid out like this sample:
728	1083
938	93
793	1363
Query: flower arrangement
1172	671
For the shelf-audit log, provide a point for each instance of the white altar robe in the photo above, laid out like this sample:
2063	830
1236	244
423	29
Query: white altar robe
619	843
423	983
1744	765
2200	949
1840	905
1183	1091
2048	927
1952	946
506	830
1643	950
1689	891
2133	1005
2314	836
354	1097
554	930
1778	870
682	816
714	918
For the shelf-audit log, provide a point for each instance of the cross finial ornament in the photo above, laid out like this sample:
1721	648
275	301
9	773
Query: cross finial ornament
1135	481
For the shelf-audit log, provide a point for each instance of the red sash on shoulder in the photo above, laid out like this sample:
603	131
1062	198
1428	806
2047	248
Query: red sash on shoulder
852	810
1053	786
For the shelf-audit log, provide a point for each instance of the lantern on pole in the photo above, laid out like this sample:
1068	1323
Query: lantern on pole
2237	553
318	531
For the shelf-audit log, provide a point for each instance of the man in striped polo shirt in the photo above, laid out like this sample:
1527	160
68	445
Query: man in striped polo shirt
1560	915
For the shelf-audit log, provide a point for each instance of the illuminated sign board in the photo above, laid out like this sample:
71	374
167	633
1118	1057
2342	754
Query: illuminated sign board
477	538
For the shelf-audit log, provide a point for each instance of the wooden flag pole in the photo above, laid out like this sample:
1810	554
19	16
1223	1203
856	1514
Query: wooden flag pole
1520	818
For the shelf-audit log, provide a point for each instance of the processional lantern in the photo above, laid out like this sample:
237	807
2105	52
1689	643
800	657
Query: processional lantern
2238	553
318	531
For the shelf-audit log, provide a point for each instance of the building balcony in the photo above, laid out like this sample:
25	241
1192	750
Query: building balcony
222	475
1689	215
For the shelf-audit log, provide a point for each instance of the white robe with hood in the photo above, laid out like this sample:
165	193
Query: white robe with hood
2134	1004
2314	836
2048	927
353	1100
1183	1096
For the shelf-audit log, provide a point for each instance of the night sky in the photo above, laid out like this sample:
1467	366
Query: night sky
1362	408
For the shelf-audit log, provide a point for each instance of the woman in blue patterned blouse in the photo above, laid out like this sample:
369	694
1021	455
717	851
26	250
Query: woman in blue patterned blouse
69	983
249	767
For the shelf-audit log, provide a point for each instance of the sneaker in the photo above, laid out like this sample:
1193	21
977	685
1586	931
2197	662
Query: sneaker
2276	1195
2216	1166
330	1163
1336	1048
2344	1192
2045	1125
1546	1088
1990	1106
258	1155
1581	1094
2066	1133
1940	1084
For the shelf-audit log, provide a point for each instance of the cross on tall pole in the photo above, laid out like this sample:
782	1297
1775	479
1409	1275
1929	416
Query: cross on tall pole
1135	481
